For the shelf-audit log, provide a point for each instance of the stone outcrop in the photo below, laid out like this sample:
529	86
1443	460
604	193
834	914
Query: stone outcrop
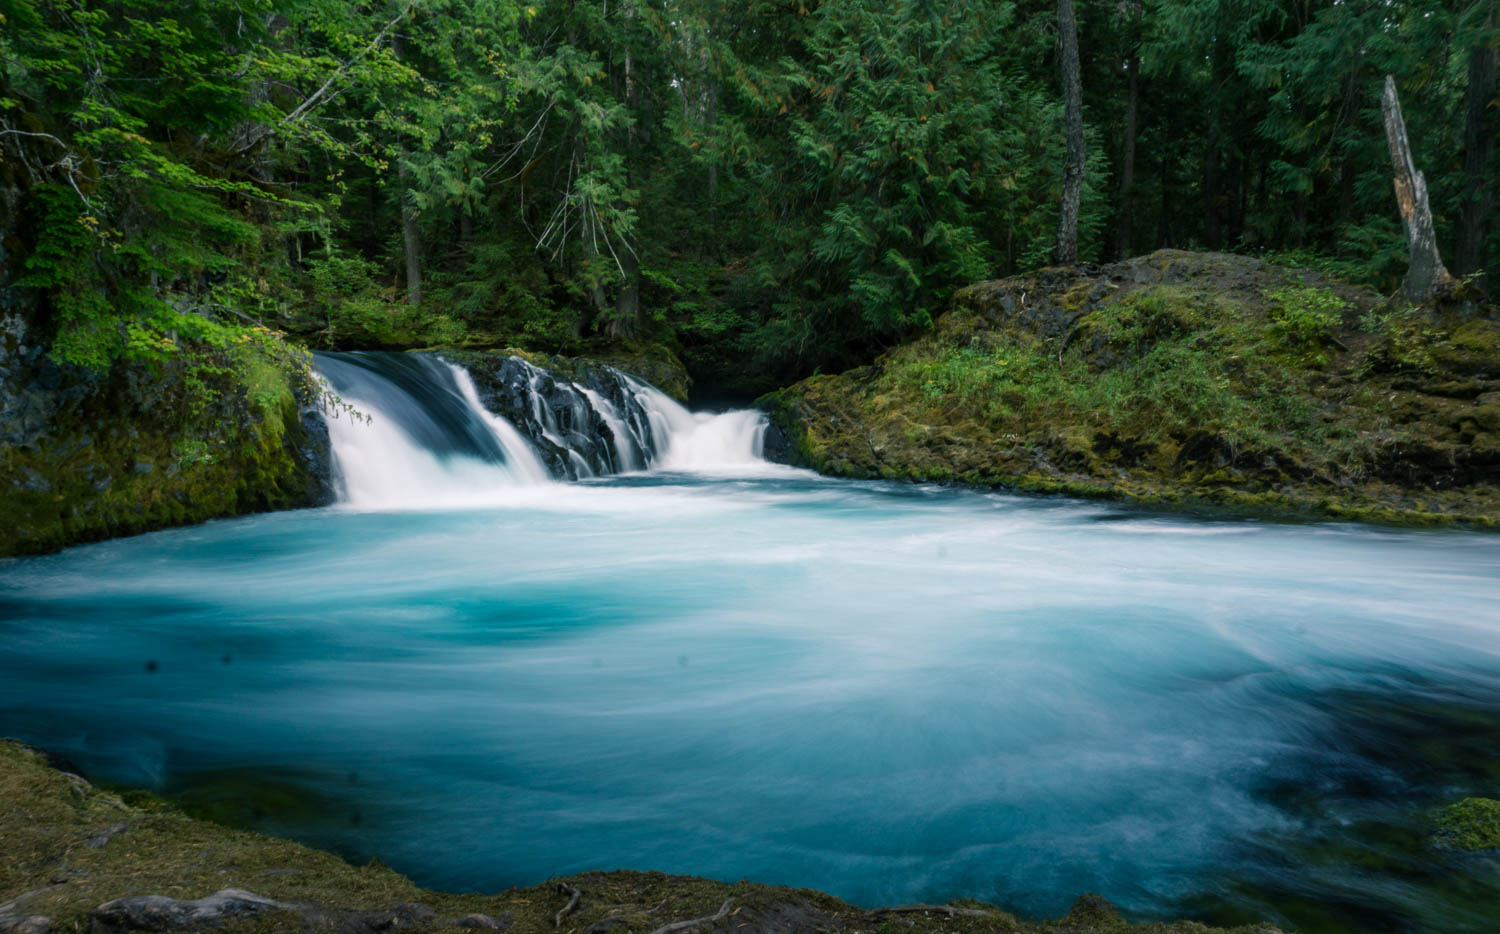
1177	377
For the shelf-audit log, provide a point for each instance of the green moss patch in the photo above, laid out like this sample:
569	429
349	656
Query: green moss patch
1470	824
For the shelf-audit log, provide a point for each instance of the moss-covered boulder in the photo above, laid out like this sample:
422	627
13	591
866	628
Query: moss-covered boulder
1177	377
81	858
1470	824
201	434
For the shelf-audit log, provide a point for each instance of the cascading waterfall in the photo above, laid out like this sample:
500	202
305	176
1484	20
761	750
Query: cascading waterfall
428	433
698	440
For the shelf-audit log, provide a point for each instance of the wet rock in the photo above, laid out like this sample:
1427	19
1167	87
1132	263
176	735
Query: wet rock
32	924
160	913
583	406
776	446
313	451
479	922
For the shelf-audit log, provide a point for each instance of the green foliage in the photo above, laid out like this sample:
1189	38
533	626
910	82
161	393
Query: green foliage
1303	318
768	193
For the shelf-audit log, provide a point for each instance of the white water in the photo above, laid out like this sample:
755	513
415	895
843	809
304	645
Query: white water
382	466
701	441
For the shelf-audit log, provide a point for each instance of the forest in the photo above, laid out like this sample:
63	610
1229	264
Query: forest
770	189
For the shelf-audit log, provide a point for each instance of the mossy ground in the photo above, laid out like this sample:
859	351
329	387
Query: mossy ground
70	846
1174	378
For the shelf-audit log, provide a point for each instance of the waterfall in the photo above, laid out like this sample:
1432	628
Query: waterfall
698	440
426	432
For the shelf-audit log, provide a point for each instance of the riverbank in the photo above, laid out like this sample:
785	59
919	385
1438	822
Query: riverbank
1178	378
80	858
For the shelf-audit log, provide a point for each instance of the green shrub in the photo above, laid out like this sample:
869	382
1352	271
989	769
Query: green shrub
1304	318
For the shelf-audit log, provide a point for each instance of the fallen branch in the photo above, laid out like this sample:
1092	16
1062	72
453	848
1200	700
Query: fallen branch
696	922
948	910
571	906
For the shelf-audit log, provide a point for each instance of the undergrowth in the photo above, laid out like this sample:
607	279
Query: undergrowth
1152	364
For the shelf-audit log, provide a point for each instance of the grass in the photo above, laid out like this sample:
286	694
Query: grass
1153	365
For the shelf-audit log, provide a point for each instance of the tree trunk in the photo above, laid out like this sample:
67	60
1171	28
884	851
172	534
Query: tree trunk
1067	221
1164	182
1425	273
1211	193
1127	157
412	238
1479	147
628	305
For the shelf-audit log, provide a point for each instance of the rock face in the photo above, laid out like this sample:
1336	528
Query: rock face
582	417
1177	377
87	455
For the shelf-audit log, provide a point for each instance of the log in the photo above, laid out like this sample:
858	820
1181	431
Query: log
1426	276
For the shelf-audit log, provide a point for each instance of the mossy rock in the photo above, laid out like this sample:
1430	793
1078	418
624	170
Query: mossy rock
1471	824
204	434
1176	378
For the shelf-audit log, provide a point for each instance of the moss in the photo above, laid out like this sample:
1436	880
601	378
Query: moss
1470	824
71	846
156	445
1177	377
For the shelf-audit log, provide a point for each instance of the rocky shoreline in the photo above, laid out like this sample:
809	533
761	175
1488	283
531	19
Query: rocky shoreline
80	858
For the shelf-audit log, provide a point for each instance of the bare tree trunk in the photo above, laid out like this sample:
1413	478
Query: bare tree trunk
412	238
1425	273
1479	146
1067	221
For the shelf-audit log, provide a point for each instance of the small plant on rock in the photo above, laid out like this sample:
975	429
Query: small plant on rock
1304	318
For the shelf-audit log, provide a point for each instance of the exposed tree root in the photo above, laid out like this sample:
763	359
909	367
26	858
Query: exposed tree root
571	906
695	922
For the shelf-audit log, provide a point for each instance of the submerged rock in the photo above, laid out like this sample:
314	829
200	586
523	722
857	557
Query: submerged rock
1471	824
